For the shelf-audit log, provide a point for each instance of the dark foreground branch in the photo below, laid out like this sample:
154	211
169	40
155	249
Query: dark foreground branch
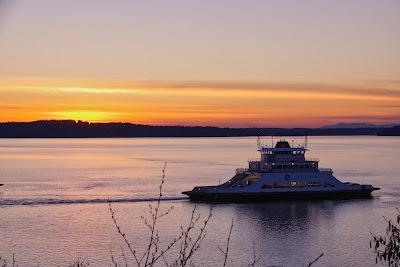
387	246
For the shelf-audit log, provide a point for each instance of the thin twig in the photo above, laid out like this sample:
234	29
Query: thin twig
113	259
133	252
123	256
255	258
227	245
154	220
314	261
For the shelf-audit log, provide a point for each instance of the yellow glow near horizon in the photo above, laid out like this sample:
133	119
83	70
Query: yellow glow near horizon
83	115
220	104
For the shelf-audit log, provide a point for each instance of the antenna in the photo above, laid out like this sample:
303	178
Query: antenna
258	142
272	141
305	141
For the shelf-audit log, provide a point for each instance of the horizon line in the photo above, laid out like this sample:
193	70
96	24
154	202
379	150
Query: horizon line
368	125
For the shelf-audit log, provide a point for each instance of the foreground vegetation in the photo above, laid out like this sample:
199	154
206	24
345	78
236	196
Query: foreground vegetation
387	246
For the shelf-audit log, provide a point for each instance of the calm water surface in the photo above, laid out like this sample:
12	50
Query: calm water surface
53	207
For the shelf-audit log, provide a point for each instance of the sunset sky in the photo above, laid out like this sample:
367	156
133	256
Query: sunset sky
233	63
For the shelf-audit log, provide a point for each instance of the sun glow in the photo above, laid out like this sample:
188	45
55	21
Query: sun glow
208	103
84	115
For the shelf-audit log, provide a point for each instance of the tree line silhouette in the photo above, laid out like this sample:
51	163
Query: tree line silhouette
72	129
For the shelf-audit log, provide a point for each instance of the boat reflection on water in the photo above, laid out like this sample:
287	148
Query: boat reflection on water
292	233
1	190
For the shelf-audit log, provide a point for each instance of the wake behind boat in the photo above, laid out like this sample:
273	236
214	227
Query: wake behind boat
283	172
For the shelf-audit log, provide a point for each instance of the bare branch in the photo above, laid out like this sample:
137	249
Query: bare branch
225	252
133	252
189	243
255	258
114	262
314	261
123	256
154	217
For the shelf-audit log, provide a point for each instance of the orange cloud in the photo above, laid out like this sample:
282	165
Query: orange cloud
198	103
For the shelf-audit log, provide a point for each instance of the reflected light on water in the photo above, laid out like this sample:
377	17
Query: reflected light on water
54	201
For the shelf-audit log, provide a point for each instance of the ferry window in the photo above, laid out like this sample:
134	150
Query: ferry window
314	184
296	184
283	185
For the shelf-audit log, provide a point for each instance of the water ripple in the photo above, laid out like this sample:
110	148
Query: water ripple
51	201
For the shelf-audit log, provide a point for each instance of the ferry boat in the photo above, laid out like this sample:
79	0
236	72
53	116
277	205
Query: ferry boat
283	172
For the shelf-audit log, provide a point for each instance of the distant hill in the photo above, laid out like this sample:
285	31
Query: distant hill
357	125
394	131
72	129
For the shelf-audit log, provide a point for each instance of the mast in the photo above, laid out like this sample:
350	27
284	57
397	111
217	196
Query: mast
305	141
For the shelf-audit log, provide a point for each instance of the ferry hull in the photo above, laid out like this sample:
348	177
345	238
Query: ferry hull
271	196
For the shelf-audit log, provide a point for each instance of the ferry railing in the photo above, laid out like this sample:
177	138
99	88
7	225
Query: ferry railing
253	160
312	159
325	170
